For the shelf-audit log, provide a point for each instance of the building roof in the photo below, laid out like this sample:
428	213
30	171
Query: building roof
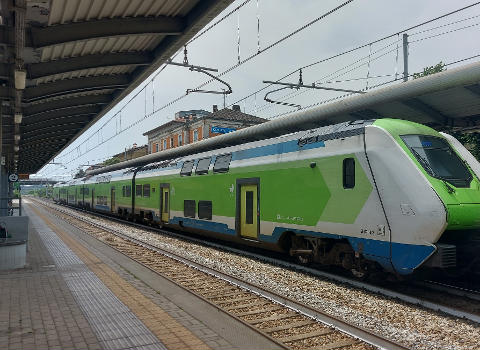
223	114
235	115
167	125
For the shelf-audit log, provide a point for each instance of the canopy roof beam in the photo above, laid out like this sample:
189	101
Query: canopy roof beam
43	69
68	86
63	33
66	103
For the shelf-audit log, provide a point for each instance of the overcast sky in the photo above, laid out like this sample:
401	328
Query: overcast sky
359	22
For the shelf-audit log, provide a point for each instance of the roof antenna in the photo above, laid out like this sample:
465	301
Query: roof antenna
204	70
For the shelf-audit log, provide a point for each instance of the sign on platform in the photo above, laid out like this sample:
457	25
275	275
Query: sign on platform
13	177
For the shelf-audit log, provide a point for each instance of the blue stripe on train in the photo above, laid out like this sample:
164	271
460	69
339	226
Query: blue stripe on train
278	148
262	151
405	257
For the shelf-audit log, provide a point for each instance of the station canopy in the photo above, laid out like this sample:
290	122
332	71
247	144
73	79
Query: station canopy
67	63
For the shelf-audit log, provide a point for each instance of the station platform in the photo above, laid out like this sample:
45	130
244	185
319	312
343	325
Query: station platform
78	293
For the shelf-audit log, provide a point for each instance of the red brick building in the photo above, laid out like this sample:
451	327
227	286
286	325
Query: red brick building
192	127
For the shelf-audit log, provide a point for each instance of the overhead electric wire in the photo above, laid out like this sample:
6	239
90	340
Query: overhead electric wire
444	33
296	93
318	81
359	47
373	87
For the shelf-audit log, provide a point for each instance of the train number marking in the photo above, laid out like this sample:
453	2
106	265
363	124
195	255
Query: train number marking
380	231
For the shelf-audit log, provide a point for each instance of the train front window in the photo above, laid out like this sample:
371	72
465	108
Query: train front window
438	159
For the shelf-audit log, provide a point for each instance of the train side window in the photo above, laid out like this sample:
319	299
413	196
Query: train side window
205	210
146	190
348	173
249	207
86	191
187	168
189	208
203	165
128	191
124	191
222	163
138	190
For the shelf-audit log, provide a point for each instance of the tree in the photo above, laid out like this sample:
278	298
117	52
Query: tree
439	67
111	161
79	174
471	141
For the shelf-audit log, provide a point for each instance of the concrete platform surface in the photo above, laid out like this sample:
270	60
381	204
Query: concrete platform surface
78	293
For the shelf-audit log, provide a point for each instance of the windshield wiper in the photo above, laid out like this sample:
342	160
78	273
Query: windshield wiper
424	162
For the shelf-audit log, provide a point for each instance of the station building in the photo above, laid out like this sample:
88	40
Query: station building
195	125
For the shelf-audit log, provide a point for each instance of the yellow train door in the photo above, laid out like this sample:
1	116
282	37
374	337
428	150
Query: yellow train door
249	211
165	204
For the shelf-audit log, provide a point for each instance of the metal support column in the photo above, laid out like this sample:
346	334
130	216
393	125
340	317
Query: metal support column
3	173
405	57
3	190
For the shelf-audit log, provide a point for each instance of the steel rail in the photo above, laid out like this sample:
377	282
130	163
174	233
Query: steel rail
335	322
450	289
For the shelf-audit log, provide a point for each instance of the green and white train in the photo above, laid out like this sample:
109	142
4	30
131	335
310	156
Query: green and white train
382	194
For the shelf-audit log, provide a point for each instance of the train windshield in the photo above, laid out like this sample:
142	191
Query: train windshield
438	159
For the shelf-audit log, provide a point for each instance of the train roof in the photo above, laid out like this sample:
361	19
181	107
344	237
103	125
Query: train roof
290	142
117	175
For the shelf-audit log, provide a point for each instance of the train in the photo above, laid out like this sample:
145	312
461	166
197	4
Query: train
384	195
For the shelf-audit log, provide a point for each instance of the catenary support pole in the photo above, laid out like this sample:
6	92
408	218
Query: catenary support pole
405	57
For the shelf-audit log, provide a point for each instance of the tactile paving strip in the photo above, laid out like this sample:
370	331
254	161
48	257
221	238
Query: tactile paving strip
114	324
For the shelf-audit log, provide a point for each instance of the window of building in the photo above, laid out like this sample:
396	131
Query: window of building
202	166
164	144
222	163
348	173
180	139
138	190
187	168
189	208
195	135
205	210
146	190
156	147
171	142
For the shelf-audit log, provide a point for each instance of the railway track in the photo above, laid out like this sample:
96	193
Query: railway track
291	324
452	289
449	299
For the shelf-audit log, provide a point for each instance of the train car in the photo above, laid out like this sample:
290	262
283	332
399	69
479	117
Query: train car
110	192
378	195
121	193
56	192
150	191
